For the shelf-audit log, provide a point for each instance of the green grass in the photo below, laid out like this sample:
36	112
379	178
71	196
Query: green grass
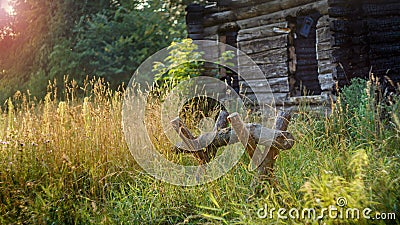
66	162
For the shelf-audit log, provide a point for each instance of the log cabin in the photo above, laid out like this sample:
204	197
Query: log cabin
307	49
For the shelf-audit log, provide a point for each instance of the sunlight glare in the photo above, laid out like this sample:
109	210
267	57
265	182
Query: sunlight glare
5	4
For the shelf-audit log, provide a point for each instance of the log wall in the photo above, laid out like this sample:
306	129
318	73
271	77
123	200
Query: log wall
351	37
263	36
366	37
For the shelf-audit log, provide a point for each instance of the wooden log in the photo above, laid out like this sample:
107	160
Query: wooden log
263	44
239	3
341	39
253	11
323	34
270	154
323	21
384	37
280	15
270	70
308	100
274	84
260	135
243	134
385	49
324	55
260	32
340	11
271	56
324	46
381	9
267	19
384	24
325	67
188	138
222	121
326	82
267	98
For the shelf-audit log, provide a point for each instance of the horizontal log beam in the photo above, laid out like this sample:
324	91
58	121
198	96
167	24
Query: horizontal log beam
263	136
253	11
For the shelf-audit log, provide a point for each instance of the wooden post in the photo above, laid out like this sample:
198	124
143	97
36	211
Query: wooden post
194	144
190	140
266	169
243	134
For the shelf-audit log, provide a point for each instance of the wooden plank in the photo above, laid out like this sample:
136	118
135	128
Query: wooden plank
275	70
271	56
324	55
305	63
305	43
385	49
307	100
253	10
239	3
340	11
323	21
211	37
268	98
324	34
270	70
324	46
384	24
259	86
326	82
384	37
381	9
325	67
337	2
342	26
340	39
260	31
280	16
264	44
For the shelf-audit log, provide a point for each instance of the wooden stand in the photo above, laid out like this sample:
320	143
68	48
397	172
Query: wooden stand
250	135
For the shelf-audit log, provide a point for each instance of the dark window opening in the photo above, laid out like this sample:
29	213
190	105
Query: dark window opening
302	51
227	75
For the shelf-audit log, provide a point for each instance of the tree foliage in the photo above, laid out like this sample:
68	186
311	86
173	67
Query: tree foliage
48	40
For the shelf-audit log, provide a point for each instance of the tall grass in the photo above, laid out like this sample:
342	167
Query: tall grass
66	162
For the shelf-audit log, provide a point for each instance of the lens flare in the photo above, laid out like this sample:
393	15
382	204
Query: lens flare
5	4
